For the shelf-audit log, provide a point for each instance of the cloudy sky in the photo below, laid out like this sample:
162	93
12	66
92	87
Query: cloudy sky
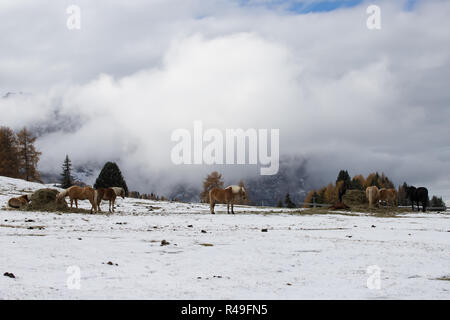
343	96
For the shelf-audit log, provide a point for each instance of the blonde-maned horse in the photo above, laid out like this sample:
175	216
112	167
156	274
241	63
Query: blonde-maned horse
389	196
227	195
19	201
120	192
79	193
106	194
372	195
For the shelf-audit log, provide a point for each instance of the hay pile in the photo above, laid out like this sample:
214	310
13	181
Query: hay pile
354	197
45	200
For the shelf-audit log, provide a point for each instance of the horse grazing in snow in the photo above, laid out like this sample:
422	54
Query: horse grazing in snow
389	196
227	195
372	195
417	195
19	201
79	193
106	194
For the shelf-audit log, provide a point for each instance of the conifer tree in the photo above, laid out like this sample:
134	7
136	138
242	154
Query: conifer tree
288	201
9	158
111	176
66	175
28	155
345	178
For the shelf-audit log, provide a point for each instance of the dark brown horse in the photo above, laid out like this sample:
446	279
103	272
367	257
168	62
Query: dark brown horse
417	195
227	195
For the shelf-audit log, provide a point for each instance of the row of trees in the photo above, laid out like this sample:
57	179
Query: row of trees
18	156
330	193
110	176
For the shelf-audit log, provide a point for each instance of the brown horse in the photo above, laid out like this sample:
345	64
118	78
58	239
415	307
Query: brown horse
227	195
19	201
106	194
389	196
79	193
372	195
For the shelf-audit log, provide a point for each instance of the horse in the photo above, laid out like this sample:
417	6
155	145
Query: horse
106	194
372	195
19	201
226	195
388	195
417	195
79	193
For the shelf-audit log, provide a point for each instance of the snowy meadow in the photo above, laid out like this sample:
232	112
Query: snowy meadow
169	250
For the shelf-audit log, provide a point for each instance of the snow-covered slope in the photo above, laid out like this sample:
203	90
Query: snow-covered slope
218	256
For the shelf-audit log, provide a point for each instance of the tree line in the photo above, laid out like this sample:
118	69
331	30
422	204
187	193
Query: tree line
18	154
109	176
330	194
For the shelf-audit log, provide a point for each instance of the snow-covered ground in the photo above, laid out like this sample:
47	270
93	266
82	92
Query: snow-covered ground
218	256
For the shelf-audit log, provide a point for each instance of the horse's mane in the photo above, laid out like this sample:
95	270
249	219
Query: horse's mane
235	189
63	194
118	191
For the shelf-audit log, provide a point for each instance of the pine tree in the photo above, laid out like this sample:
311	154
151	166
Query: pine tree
213	180
437	202
9	158
345	178
402	200
280	204
28	155
358	182
288	201
66	176
111	176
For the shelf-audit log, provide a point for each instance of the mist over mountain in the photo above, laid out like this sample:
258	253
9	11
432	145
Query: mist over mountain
343	96
291	178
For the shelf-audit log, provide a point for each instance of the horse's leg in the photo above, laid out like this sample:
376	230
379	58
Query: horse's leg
76	202
232	205
211	206
424	206
228	208
71	203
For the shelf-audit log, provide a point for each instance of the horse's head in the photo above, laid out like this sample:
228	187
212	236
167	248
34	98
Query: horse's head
243	193
410	191
122	193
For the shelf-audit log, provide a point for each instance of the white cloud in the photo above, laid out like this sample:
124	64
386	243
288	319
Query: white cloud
342	95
